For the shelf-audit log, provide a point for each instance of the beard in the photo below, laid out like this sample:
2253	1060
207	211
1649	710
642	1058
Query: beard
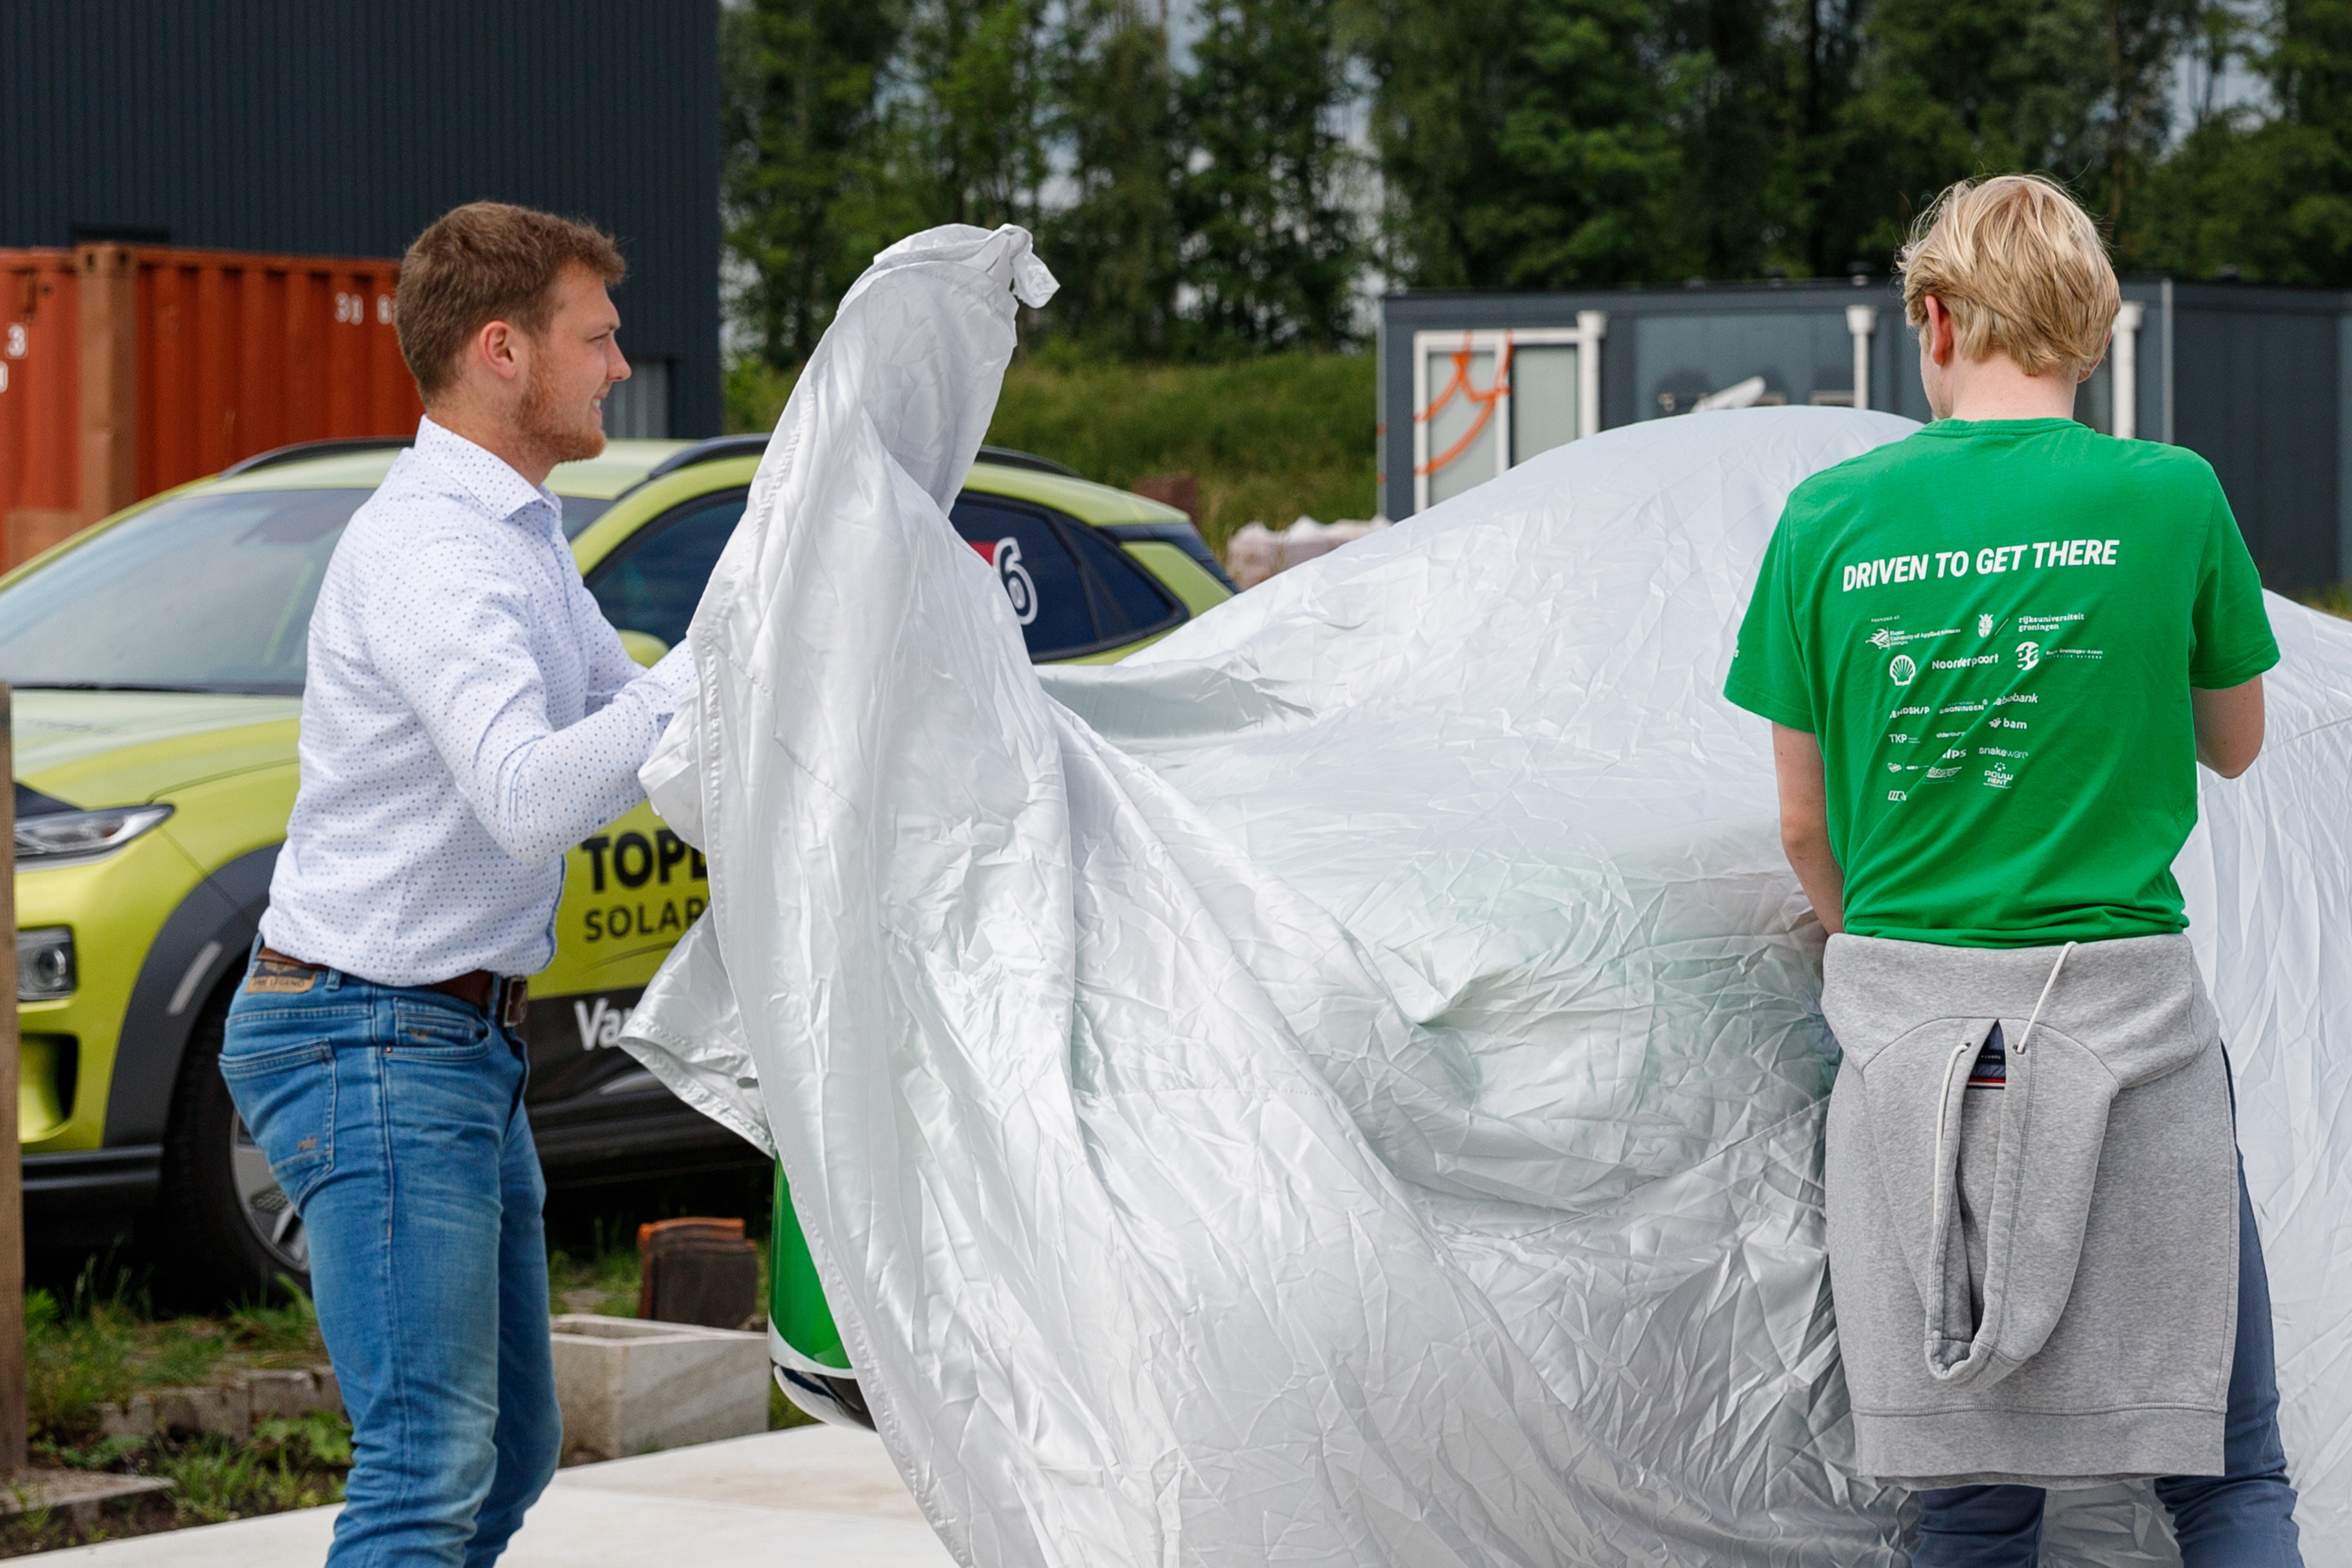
562	434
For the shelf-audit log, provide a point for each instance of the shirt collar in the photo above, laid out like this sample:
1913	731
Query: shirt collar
488	477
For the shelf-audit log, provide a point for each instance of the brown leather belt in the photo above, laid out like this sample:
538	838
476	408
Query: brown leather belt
506	997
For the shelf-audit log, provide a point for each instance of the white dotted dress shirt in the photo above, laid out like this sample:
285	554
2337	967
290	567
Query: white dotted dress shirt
467	716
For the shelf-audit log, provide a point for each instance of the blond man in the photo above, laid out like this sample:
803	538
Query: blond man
468	714
1993	655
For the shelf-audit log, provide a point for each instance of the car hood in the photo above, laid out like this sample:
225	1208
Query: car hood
95	748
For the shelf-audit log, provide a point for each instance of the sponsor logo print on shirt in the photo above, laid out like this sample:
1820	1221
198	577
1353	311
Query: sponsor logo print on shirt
1902	671
2028	654
1985	624
1998	776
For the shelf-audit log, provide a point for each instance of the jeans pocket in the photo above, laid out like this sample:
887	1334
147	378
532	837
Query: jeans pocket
286	1096
436	1031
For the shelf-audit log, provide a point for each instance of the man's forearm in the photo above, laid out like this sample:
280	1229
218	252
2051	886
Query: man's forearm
545	795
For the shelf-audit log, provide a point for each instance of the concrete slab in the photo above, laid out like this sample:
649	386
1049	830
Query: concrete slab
80	1493
816	1496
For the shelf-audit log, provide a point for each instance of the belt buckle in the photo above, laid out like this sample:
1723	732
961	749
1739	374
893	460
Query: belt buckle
511	996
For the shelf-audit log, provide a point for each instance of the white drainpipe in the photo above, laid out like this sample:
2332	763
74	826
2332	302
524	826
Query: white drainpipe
2123	366
1861	321
1591	327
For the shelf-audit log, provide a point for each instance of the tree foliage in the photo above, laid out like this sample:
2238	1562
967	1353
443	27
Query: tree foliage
1268	250
1227	181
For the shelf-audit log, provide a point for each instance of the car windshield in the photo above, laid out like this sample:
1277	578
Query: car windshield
211	592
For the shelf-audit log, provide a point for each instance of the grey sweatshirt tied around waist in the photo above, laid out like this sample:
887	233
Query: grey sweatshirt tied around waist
2034	1283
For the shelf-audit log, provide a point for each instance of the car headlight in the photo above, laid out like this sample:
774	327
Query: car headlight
69	834
45	964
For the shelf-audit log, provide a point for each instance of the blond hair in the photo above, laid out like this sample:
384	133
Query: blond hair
484	262
2022	269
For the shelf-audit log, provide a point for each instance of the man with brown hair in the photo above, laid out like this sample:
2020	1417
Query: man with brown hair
1993	655
468	715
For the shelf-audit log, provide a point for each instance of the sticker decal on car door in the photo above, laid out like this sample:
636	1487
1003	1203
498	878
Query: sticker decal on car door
1004	558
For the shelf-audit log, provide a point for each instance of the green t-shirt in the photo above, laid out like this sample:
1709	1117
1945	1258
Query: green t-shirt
1993	627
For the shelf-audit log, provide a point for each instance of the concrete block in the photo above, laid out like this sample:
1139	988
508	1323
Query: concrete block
82	1494
630	1386
135	1418
192	1412
291	1394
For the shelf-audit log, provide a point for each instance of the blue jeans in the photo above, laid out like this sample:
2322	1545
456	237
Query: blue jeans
2243	1517
394	1119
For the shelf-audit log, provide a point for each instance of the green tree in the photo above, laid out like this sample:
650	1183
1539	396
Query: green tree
1268	245
966	113
1945	90
798	117
1439	72
1111	239
2270	196
1721	80
1587	175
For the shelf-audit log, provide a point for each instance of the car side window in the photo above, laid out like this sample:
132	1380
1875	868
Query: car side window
1041	579
1127	602
652	583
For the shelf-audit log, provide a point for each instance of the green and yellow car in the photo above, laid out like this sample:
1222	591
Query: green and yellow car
158	660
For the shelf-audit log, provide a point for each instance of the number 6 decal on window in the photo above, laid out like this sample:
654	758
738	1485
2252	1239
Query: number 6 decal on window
1019	586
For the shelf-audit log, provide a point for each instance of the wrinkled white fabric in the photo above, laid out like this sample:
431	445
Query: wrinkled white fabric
1345	1085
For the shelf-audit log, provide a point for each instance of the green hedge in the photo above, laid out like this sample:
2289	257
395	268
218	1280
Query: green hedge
1268	439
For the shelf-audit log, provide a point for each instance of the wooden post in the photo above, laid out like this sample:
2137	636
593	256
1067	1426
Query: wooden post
12	1154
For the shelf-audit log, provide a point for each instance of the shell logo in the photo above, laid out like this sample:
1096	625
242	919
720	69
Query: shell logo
1902	669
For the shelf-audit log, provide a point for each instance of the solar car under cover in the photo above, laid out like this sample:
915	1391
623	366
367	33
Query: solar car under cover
1346	1084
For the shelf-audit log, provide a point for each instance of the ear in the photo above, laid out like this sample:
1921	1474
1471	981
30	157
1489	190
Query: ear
501	348
1940	337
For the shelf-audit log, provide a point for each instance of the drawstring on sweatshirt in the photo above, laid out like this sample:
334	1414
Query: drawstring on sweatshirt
1944	1110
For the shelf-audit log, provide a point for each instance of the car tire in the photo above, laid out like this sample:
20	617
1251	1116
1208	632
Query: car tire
228	1235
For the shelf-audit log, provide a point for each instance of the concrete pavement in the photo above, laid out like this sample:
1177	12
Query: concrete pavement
814	1496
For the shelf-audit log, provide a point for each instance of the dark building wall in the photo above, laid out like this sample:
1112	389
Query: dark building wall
2256	392
318	129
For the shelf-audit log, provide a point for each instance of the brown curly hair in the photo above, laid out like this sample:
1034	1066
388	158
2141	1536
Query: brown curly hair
484	262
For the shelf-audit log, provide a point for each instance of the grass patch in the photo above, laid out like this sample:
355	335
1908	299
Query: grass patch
103	1344
286	1464
1269	439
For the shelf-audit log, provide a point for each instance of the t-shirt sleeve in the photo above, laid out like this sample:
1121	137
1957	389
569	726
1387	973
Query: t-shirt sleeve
1767	666
2229	628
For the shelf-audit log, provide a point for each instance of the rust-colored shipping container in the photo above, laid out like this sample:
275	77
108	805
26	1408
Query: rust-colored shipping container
129	368
40	400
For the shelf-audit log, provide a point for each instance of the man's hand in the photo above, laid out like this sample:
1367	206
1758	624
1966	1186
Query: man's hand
2229	728
1805	822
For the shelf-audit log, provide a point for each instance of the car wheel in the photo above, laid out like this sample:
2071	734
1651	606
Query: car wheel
228	1232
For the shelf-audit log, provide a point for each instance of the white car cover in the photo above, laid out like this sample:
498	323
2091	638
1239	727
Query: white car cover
1345	1085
